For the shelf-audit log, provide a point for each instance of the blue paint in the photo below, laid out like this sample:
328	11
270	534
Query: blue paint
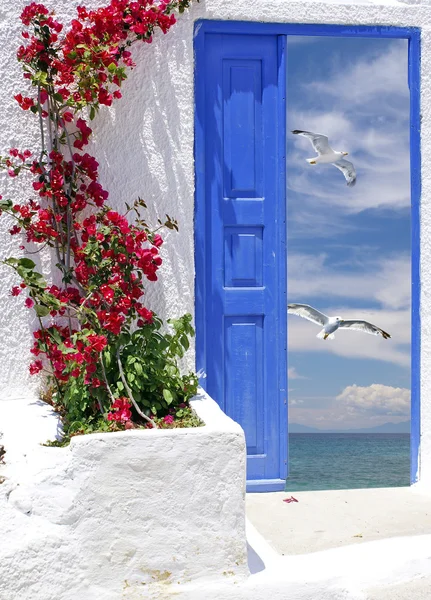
415	166
240	251
256	28
282	264
240	241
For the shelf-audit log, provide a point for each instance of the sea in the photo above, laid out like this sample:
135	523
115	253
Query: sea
335	461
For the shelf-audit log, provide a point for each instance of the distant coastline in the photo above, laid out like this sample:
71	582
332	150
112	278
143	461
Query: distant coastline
403	427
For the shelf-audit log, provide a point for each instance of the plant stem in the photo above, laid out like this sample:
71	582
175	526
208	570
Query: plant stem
58	228
44	332
129	392
42	133
69	224
111	395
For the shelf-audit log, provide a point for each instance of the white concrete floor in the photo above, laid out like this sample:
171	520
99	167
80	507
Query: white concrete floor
418	589
328	519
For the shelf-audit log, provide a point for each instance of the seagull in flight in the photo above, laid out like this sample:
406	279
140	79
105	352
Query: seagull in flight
331	324
325	154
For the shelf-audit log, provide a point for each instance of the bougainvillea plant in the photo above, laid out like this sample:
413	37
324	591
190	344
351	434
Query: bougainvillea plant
106	354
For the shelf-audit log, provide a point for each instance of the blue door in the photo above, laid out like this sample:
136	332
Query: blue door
240	241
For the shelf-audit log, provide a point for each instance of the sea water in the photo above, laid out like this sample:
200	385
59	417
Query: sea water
325	461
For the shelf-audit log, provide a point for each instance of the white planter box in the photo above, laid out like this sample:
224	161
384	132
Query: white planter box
117	515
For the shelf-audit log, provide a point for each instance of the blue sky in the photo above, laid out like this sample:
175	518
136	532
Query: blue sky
349	248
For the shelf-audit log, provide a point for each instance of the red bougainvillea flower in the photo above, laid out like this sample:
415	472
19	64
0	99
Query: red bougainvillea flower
168	419
107	292
157	240
31	11
29	303
16	290
97	342
146	314
35	367
24	102
120	410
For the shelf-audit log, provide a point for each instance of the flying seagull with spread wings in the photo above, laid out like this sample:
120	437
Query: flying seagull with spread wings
331	324
325	154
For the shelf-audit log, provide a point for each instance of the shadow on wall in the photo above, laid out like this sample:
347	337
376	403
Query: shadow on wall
145	149
255	563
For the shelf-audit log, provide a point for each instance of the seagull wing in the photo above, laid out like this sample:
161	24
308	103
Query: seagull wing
307	312
364	326
348	170
318	141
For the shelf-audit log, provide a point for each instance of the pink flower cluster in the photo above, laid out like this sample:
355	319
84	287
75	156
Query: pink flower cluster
120	411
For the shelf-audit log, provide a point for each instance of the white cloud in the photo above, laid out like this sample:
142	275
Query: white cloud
368	79
377	399
355	344
353	408
385	280
292	373
295	402
365	112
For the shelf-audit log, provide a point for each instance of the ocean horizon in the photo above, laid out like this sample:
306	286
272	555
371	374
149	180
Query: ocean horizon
325	461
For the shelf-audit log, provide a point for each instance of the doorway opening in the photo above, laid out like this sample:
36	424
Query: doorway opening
352	250
349	251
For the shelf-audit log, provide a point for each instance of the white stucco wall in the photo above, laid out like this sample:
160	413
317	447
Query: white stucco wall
145	147
120	515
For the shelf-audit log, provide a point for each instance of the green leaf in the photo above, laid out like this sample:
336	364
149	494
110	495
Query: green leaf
66	350
92	113
124	339
171	370
167	395
107	359
26	263
137	384
55	335
37	280
10	261
120	386
138	368
112	67
184	342
40	76
41	311
6	204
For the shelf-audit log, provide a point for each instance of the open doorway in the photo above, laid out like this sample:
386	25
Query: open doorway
350	254
250	171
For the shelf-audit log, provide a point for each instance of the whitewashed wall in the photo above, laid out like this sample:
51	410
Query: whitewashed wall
145	146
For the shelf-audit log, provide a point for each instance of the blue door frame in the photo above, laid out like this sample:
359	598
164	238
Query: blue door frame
204	339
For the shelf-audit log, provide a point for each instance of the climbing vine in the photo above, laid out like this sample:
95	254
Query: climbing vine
104	354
